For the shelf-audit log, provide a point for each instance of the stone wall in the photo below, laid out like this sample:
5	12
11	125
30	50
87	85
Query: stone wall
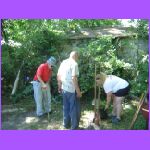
127	48
130	48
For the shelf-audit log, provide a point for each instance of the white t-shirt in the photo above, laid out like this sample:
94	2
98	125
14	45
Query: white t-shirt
66	71
114	83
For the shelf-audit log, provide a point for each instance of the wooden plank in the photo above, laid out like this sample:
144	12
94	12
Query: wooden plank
138	110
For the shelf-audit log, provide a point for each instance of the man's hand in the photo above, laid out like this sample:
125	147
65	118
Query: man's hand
79	94
44	86
59	90
59	86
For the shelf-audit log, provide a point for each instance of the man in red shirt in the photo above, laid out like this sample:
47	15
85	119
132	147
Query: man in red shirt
41	87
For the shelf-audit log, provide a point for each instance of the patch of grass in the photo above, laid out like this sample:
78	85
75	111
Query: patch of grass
56	118
140	123
33	127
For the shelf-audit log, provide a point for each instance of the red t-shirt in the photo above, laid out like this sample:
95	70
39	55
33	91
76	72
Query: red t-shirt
44	72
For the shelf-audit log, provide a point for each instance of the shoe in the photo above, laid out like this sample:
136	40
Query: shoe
50	112
116	120
46	114
80	128
41	117
66	127
76	128
113	118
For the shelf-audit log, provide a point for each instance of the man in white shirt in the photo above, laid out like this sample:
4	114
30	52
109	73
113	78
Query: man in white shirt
68	85
114	87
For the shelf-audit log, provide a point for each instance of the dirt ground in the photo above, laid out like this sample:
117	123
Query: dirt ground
16	117
21	116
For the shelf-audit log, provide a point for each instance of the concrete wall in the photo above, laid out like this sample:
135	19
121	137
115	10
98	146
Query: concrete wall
129	49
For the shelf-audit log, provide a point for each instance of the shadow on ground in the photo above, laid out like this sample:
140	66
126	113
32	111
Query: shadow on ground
21	116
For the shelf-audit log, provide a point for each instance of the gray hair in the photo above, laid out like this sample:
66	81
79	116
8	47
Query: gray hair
73	54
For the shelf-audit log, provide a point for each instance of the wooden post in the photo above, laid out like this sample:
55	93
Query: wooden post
95	87
99	97
96	109
138	110
16	83
17	80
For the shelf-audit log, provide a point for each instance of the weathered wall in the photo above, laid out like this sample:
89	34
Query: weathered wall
127	48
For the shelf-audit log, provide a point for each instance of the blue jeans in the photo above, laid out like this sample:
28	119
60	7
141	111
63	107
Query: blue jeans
71	110
42	98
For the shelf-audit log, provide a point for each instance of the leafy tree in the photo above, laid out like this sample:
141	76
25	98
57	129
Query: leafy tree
102	53
33	41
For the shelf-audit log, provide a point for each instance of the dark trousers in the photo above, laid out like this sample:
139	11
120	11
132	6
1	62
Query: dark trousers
71	110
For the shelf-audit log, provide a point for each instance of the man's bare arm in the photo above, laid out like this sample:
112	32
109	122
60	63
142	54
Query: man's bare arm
75	82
